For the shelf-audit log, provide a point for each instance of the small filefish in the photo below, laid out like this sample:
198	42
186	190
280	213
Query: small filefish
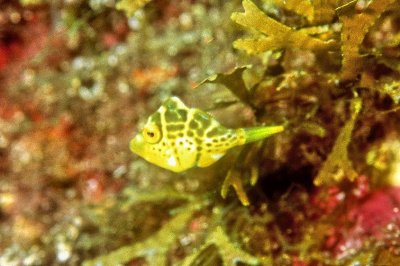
177	138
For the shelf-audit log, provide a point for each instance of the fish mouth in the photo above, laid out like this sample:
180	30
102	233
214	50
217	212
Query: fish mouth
136	145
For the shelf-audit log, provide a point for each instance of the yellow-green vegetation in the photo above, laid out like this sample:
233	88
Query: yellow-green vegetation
323	95
230	254
274	35
338	165
155	248
354	28
391	89
326	70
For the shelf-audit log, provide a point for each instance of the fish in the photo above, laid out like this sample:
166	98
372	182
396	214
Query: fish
177	138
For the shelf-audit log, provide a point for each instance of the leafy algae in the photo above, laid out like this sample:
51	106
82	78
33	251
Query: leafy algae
154	249
338	165
276	35
355	27
301	64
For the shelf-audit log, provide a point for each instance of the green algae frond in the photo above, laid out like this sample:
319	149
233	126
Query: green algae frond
338	164
273	34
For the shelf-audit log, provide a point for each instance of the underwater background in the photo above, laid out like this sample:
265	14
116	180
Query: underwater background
78	80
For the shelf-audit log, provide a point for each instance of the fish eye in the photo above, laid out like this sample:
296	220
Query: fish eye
151	133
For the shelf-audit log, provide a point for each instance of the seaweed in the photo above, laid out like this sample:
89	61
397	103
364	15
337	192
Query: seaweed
338	164
324	10
234	82
243	168
71	192
273	35
355	27
300	7
230	254
155	248
392	89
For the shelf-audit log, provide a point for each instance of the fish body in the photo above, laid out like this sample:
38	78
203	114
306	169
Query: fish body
177	138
